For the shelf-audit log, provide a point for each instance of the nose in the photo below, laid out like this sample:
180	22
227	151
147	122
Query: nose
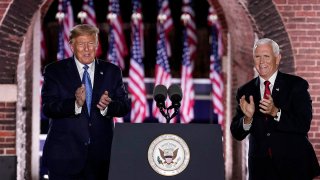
263	60
86	46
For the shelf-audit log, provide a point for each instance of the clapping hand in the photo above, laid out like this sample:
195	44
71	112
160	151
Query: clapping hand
80	95
247	108
104	101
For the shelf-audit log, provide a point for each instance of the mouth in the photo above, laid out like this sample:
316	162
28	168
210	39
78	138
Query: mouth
263	67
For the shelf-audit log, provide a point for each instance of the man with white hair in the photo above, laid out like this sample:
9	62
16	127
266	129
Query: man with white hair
276	110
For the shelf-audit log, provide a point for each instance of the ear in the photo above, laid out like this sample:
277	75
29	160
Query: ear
278	59
71	47
97	39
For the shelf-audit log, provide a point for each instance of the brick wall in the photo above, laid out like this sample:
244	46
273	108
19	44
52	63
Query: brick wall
292	23
3	7
302	23
14	24
7	128
237	23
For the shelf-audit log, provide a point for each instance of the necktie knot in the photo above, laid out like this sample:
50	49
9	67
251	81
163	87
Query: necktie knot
85	67
267	83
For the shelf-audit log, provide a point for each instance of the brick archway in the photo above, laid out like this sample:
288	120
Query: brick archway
18	19
268	22
242	20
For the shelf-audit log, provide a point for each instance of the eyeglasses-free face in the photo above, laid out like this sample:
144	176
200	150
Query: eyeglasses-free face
84	47
265	61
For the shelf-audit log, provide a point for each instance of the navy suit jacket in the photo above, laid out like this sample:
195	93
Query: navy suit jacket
292	153
71	137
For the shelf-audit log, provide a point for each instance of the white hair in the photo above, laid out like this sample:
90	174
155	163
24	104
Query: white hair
274	45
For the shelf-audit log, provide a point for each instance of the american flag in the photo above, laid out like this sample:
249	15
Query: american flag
66	23
165	20
188	17
136	86
90	18
162	70
189	49
215	66
117	44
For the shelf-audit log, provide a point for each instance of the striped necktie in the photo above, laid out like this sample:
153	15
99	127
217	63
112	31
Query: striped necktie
87	82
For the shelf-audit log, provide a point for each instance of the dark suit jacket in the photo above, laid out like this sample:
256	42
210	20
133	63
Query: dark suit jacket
71	137
292	154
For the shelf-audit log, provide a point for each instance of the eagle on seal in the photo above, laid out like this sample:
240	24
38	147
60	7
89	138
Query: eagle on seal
168	155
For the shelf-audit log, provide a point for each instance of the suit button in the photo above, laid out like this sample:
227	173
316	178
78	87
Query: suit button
90	124
268	134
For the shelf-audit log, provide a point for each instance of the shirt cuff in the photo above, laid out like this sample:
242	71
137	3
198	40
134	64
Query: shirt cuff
104	112
246	127
77	109
277	117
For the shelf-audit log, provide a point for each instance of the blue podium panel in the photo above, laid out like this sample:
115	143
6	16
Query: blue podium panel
131	143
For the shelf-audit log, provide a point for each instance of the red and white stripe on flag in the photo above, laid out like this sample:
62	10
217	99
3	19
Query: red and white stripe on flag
136	85
66	21
215	65
90	18
189	49
68	24
162	69
164	15
117	44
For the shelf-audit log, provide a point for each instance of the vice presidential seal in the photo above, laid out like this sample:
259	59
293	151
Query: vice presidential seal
168	155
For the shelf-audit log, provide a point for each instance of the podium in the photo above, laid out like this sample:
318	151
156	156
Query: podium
130	153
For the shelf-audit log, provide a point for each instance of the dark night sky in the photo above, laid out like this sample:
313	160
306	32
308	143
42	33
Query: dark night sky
149	8
150	11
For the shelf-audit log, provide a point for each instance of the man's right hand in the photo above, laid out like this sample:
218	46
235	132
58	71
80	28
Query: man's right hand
80	95
247	109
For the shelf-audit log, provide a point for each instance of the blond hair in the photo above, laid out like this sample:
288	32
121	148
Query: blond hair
83	29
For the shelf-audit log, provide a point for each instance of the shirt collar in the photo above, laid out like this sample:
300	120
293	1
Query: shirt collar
80	65
272	79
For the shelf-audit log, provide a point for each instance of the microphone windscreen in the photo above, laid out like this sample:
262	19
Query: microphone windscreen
160	93
175	93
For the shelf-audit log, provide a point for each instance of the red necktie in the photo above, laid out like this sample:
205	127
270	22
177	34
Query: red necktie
266	90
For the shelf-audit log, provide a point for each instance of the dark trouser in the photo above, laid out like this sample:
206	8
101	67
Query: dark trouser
262	169
90	172
94	170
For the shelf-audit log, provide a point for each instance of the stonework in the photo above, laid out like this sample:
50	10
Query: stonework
293	24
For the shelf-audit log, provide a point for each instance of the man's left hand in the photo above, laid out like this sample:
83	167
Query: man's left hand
104	101
267	106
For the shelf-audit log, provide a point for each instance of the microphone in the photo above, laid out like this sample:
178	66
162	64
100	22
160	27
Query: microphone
175	95
160	95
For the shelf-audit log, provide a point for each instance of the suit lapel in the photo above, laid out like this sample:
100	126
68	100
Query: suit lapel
256	92
257	97
73	74
98	80
278	88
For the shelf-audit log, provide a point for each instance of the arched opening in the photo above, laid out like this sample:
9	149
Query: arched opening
240	21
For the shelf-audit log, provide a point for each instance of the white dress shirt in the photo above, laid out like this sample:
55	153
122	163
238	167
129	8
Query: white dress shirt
272	80
91	74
